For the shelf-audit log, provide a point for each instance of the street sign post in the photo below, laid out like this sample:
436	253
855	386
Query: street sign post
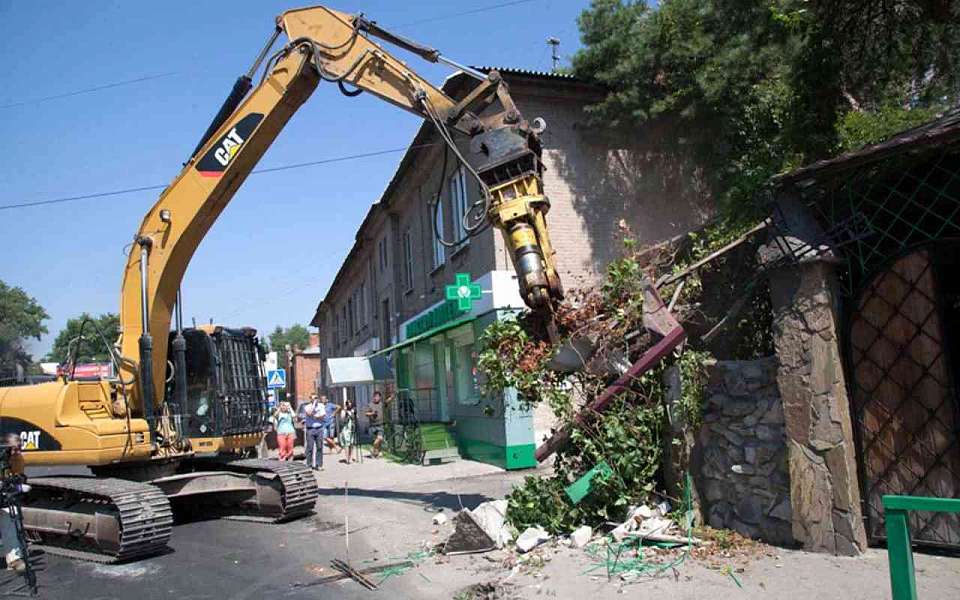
276	379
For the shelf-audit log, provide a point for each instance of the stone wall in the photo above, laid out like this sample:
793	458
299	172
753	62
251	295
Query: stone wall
740	461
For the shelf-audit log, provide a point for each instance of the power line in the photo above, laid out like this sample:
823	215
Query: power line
88	90
161	75
256	172
460	14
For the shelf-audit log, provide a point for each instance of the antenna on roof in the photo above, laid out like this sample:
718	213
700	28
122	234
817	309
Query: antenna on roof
554	44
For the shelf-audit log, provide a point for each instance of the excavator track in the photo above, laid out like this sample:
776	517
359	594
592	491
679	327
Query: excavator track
138	518
299	487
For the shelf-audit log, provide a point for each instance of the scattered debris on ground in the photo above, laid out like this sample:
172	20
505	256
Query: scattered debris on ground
531	538
479	530
581	536
487	591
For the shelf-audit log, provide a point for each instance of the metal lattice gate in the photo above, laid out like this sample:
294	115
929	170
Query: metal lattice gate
903	384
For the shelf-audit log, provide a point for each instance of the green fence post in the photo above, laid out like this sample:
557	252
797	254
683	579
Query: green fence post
903	581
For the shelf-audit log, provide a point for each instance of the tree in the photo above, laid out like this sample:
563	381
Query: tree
760	86
21	318
296	336
90	347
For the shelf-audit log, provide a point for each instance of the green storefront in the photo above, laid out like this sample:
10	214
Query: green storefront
438	390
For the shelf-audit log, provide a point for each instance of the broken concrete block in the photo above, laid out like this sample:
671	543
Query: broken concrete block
531	538
468	537
581	536
492	518
439	518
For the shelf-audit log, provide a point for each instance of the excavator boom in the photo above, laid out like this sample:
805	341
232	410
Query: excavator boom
328	45
156	434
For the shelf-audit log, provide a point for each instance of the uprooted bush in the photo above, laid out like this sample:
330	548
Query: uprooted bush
628	440
628	437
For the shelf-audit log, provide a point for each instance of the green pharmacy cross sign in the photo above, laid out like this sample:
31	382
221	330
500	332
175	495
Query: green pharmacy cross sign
463	291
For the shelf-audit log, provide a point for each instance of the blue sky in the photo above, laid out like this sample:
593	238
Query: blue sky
272	254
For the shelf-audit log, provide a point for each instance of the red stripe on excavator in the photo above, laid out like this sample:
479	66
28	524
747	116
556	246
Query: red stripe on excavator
211	173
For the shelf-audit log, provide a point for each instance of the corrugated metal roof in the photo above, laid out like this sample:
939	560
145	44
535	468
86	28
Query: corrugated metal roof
527	72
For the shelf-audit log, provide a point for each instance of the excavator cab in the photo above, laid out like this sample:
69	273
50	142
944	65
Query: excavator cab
226	388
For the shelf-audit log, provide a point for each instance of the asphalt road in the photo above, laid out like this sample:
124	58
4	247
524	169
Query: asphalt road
221	558
216	559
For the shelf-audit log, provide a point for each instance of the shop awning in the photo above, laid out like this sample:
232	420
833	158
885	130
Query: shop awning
355	370
426	334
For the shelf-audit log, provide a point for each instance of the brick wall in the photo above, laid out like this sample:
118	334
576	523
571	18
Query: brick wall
594	178
304	371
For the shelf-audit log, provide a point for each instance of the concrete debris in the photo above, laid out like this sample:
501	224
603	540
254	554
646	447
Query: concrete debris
492	518
439	518
468	537
581	536
531	538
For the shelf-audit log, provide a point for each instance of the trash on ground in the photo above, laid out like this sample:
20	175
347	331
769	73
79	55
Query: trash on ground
579	489
581	536
531	538
439	518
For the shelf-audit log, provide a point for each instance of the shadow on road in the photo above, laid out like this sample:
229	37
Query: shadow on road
430	501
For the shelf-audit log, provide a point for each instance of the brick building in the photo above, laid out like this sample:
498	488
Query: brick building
304	375
390	287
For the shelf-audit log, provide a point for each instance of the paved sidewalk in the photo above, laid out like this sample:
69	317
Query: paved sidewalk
390	508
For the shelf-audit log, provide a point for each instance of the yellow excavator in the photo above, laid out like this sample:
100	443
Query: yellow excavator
186	407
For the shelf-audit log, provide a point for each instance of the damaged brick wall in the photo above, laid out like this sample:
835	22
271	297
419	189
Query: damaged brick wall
740	463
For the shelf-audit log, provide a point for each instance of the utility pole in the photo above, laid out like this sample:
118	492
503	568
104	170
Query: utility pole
554	44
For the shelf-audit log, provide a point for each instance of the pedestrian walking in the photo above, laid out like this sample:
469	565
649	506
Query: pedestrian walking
374	415
286	434
349	429
331	410
314	433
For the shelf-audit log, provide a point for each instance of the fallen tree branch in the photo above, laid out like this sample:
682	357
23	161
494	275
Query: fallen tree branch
668	279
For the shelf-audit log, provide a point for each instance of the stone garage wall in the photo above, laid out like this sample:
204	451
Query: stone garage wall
739	460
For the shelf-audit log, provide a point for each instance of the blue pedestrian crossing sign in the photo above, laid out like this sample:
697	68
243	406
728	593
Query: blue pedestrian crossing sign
276	379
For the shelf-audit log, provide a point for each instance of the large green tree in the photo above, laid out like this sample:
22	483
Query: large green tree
21	318
759	86
296	336
89	347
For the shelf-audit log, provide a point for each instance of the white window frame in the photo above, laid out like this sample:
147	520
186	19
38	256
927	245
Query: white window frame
439	256
459	204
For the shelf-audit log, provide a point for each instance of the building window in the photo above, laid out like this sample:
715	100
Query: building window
464	366
436	233
352	323
382	254
362	304
459	204
407	260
